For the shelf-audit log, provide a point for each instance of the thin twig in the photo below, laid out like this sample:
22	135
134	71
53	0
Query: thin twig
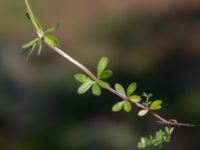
160	120
73	61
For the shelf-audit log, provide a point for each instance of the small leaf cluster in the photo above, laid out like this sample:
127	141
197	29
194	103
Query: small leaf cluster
95	85
125	104
158	139
150	105
42	35
153	105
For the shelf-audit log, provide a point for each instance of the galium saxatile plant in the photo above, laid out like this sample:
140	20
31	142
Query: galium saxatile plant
97	82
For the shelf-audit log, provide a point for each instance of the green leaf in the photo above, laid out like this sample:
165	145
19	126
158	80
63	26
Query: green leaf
85	87
96	90
131	88
82	78
51	40
40	46
156	105
135	98
30	44
30	50
119	88
52	28
127	106
103	84
143	112
106	74
101	66
118	106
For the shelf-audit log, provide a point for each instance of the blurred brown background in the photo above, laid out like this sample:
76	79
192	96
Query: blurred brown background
153	42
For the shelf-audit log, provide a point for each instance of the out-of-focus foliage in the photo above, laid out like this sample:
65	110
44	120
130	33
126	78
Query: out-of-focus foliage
157	140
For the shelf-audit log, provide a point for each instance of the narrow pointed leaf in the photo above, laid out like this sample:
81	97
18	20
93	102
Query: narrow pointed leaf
119	88
101	66
40	46
30	44
106	74
51	40
131	88
127	106
118	106
96	90
82	78
156	105
52	28
39	26
30	51
171	130
84	87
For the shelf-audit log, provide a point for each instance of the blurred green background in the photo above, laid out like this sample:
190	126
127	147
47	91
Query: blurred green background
153	42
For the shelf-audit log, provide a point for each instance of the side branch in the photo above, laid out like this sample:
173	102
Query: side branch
160	120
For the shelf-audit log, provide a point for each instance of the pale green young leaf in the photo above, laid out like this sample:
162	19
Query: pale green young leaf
127	106
131	88
51	40
30	44
118	106
82	78
85	87
156	105
119	88
135	98
103	84
101	66
96	90
143	112
169	130
52	28
106	74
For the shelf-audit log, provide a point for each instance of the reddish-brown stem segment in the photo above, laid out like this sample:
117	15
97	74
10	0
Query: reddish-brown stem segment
160	120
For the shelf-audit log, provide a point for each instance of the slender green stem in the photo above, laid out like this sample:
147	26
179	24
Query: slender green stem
33	19
28	8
